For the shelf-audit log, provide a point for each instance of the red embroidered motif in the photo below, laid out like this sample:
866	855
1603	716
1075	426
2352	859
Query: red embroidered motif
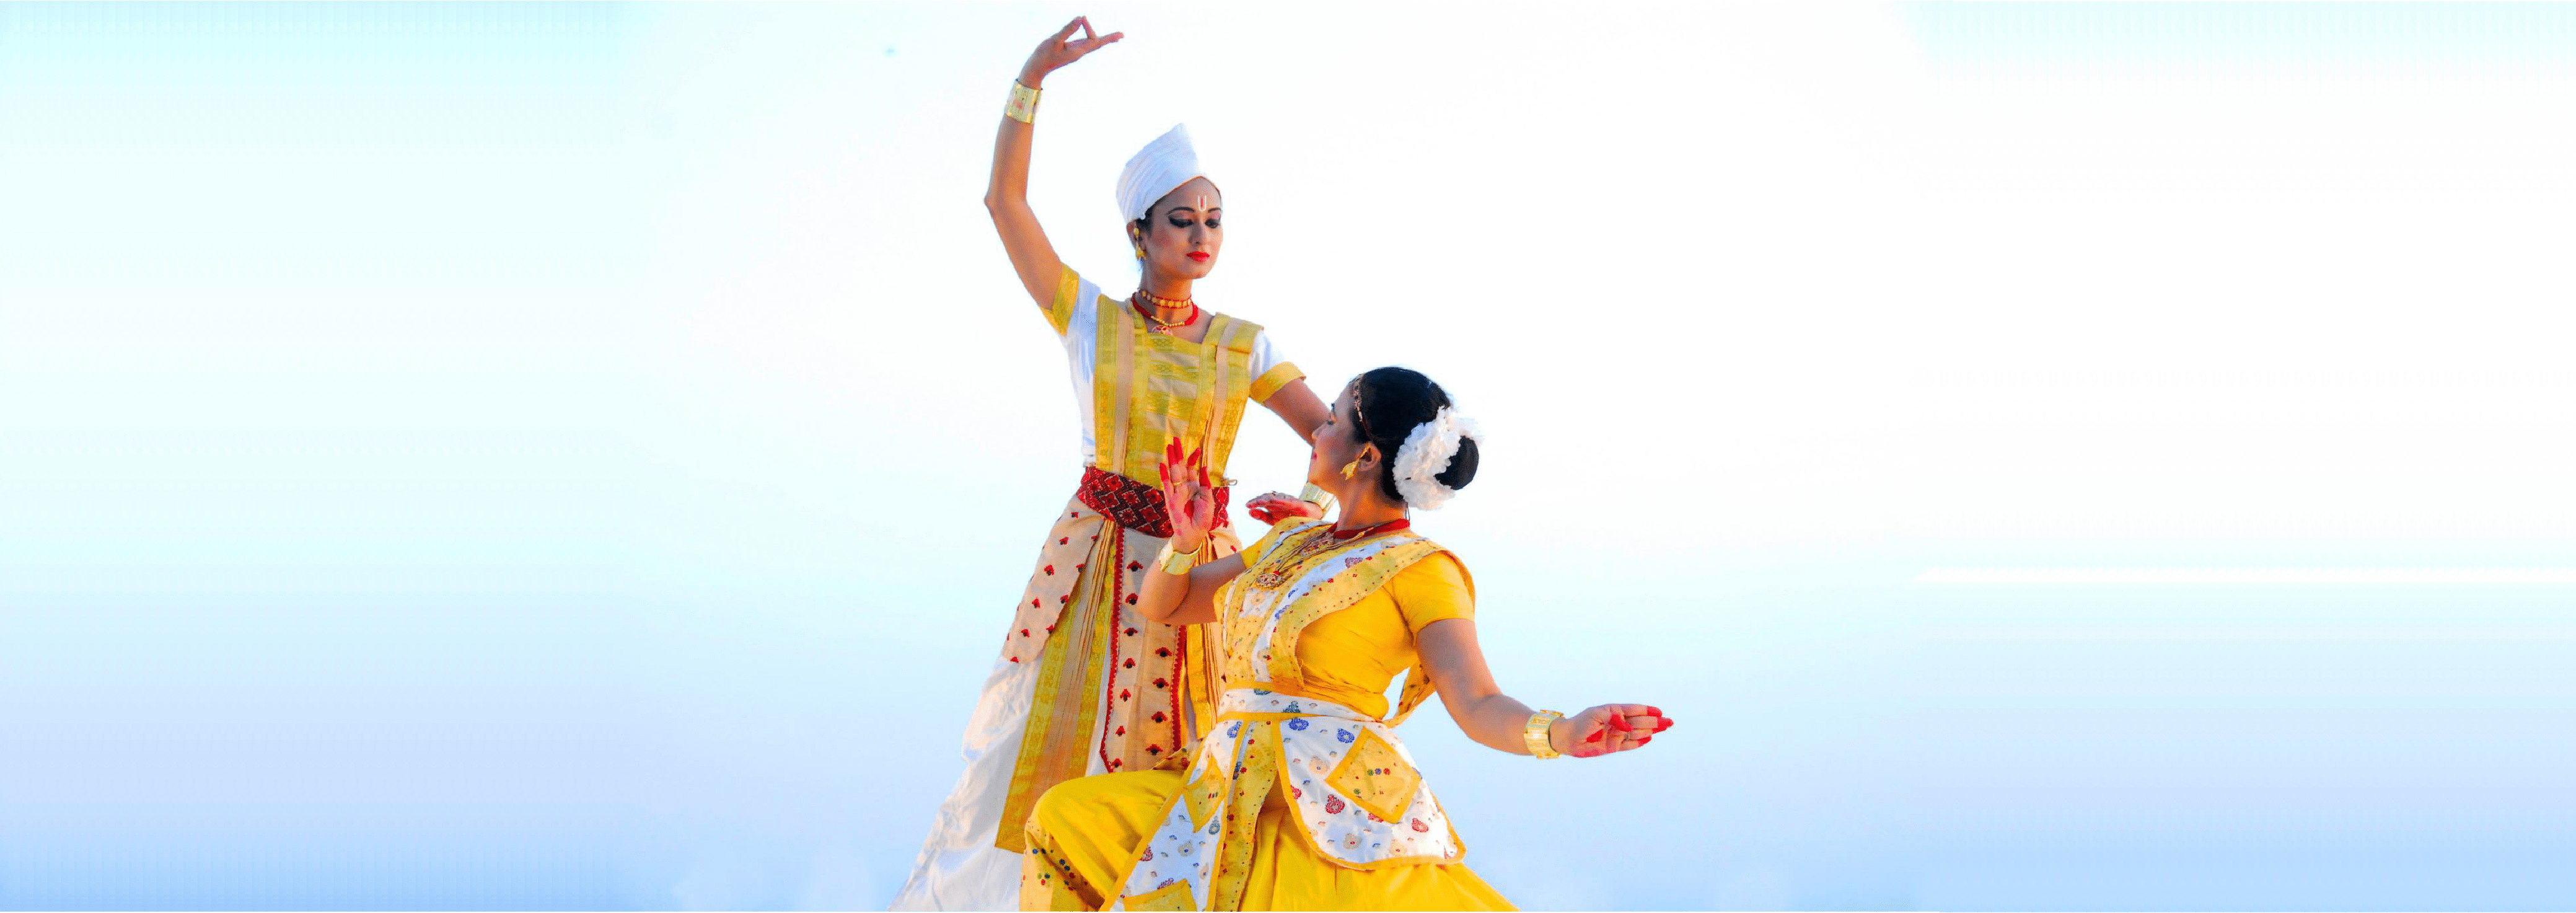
1133	504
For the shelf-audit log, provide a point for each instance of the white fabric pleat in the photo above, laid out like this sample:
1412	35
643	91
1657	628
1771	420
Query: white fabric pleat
959	867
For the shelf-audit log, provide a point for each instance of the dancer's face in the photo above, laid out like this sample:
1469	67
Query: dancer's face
1336	445
1184	230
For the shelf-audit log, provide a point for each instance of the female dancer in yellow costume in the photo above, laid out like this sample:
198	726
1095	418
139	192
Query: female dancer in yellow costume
1085	682
1300	797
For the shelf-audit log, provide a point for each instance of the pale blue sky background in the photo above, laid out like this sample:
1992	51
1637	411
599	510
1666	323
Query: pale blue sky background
510	456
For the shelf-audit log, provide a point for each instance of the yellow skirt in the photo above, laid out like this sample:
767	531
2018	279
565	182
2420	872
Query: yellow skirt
1083	836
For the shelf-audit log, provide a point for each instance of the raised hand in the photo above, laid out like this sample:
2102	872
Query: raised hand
1608	729
1189	498
1273	508
1062	48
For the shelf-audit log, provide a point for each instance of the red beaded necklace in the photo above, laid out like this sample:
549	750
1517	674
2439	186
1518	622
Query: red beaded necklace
1386	527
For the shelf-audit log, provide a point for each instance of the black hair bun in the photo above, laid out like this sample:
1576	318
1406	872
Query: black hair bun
1462	467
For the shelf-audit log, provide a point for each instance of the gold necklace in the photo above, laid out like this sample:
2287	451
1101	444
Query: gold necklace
1153	317
1162	302
1275	571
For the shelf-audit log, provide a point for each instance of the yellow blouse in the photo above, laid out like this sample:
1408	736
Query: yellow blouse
1350	656
1138	390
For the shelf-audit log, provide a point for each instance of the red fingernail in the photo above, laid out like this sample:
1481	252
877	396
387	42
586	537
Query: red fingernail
1667	724
1650	711
1645	740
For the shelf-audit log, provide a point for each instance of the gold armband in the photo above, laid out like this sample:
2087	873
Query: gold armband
1179	562
1023	106
1323	500
1535	733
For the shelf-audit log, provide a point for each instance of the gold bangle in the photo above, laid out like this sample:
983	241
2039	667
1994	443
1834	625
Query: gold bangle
1023	106
1323	500
1179	563
1535	733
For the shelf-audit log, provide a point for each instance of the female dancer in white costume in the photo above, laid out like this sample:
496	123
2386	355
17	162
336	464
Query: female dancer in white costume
1084	683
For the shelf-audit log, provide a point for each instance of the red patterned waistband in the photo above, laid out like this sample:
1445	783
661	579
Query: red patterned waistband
1132	504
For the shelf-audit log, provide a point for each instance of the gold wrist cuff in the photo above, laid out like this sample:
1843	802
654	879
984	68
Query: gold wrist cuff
1023	106
1323	500
1179	562
1535	733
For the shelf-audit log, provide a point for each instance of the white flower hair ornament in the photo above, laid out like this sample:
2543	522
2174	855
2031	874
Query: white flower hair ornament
1426	454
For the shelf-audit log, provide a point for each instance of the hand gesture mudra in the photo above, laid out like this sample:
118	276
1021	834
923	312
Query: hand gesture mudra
1273	508
1608	729
1062	48
1189	497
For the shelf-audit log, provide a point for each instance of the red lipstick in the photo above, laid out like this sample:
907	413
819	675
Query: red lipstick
1199	255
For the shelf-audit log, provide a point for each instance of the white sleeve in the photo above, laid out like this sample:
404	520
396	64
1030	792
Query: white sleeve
1082	328
1271	368
1265	354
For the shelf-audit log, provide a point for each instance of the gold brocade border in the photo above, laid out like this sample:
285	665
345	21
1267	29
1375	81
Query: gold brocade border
1233	357
1068	689
1060	311
1236	634
1201	679
1161	400
1259	774
1110	364
1279	375
1205	408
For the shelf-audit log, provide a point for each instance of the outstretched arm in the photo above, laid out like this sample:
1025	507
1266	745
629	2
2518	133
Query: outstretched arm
1494	719
1295	403
1007	196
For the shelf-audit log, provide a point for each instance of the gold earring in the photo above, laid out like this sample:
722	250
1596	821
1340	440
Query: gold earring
1140	253
1350	469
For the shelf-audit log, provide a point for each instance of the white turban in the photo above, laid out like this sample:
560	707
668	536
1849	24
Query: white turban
1167	162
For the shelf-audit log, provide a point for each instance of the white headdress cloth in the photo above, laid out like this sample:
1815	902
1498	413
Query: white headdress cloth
1426	454
1168	162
